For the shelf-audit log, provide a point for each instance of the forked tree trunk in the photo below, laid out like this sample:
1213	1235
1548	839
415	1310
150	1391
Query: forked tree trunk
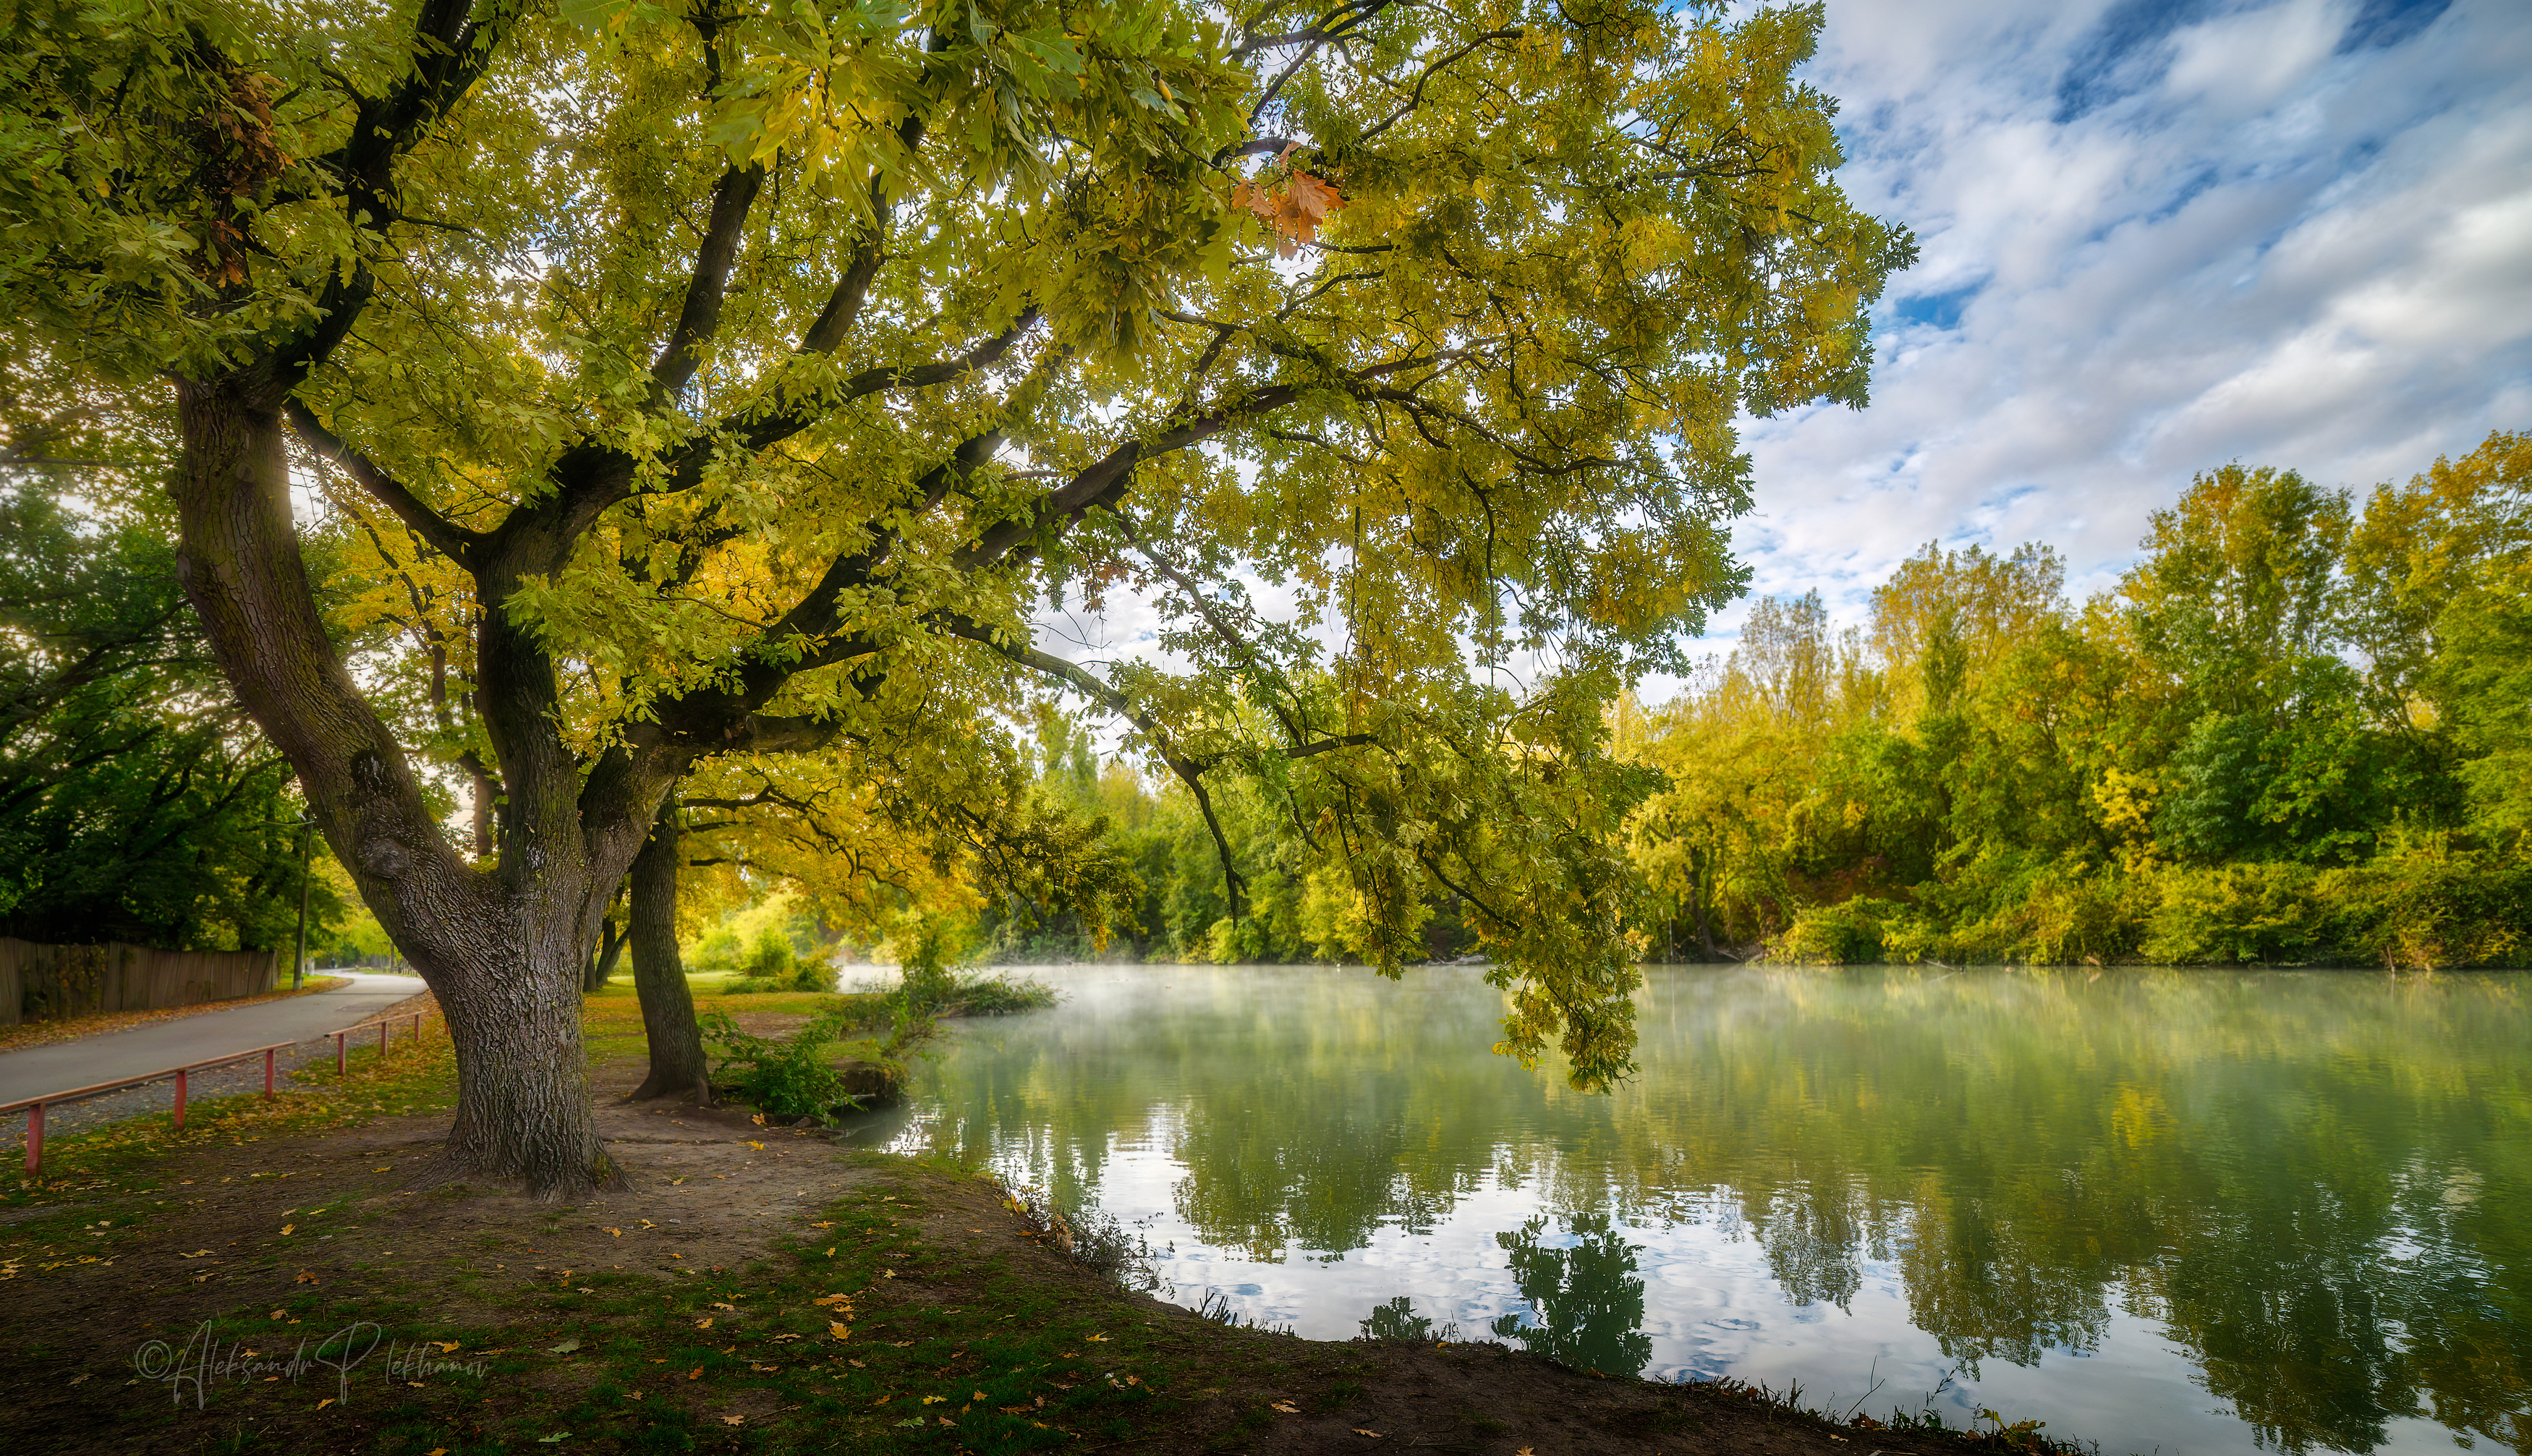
677	1066
503	950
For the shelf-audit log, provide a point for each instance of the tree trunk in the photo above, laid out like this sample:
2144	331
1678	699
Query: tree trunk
677	1066
523	1103
602	964
504	951
1696	897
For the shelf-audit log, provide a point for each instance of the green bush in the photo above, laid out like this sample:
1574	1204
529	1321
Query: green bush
2232	913
925	951
770	957
791	1077
2073	913
720	950
996	995
1834	935
2422	903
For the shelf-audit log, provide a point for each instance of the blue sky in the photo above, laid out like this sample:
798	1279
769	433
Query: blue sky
2157	235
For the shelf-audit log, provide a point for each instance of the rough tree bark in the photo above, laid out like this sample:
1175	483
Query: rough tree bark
677	1066
504	952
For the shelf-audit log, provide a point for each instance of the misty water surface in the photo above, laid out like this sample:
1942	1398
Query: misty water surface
2174	1210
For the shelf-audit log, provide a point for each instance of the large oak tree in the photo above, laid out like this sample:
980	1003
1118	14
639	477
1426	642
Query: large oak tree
754	371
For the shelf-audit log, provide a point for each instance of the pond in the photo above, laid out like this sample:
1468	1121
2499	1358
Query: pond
2165	1210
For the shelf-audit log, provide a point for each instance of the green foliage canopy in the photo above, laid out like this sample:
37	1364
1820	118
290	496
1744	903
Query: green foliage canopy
2295	731
754	371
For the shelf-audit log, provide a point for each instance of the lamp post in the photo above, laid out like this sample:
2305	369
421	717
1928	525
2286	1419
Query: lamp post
298	956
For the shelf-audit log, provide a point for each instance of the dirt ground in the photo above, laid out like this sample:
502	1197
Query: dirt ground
711	1202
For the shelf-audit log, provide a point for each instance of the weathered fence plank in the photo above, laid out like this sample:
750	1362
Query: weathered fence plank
44	983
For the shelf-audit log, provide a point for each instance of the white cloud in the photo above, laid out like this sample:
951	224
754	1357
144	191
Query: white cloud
2158	235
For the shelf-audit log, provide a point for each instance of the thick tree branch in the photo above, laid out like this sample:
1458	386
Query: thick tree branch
1107	477
1083	681
835	322
447	54
444	536
1104	480
754	432
700	319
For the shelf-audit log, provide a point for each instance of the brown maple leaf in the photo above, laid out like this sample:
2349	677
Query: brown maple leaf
1293	211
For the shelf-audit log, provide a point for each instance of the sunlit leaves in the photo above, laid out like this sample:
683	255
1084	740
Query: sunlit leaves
1438	327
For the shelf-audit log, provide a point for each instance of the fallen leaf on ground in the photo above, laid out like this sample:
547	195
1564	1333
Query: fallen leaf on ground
734	1419
566	1348
1285	1406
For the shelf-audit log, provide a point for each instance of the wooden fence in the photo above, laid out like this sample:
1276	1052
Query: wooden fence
44	983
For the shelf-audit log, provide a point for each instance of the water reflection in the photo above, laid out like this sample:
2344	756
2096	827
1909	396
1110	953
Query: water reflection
2107	1196
1586	1300
1397	1320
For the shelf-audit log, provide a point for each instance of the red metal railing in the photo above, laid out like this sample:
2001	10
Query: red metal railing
33	1107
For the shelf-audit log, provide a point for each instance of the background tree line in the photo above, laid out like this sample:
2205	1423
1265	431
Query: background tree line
137	803
2297	730
2300	729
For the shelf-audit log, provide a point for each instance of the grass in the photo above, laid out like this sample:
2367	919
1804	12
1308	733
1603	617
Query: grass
867	1337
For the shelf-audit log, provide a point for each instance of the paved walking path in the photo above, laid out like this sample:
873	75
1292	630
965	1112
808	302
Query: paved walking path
64	1065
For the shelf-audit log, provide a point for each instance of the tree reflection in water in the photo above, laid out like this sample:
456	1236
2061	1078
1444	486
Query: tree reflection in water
1398	1321
1587	1299
2316	1188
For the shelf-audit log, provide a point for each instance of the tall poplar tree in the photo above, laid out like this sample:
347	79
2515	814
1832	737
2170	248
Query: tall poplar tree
755	369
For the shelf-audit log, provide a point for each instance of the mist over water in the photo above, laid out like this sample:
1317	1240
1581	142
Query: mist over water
2174	1210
